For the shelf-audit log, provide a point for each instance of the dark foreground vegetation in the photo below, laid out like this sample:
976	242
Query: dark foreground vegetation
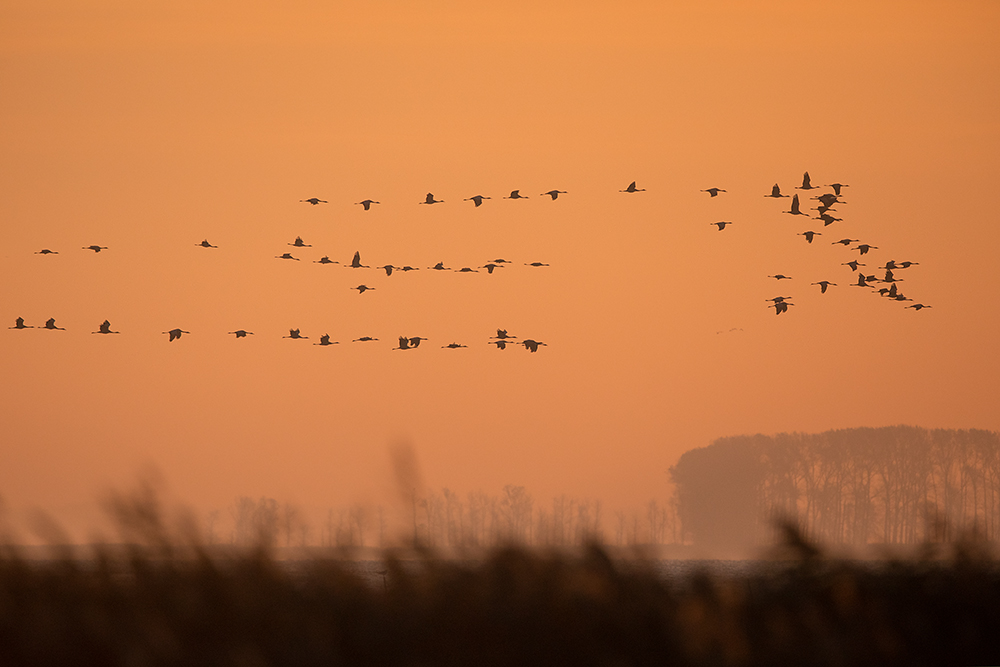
163	605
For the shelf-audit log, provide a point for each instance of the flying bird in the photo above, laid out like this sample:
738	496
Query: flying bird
531	345
95	248
714	191
408	268
325	260
778	299
501	344
476	199
828	200
536	264
325	340
206	244
364	339
429	199
516	194
501	261
46	251
782	307
806	185
827	219
105	328
314	201
775	192
286	255
794	210
452	346
466	269
440	267
356	262
489	267
175	334
780	276
836	187
631	188
823	285
294	334
415	341
502	335
363	288
918	306
554	194
865	247
19	324
404	343
844	242
367	203
809	235
241	333
299	243
721	224
387	268
51	324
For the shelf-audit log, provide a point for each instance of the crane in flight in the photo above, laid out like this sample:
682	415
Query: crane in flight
794	210
415	341
51	325
286	255
553	193
466	269
452	346
240	333
388	268
404	344
809	235
780	276
918	306
299	243
363	288
356	262
806	184
295	335
631	188
364	339
536	264
489	267
532	345
325	260
314	201
206	244
863	248
440	267
429	199
19	324
721	224
775	192
823	285
502	335
476	199
325	340
515	194
501	344
782	307
95	248
175	334
46	251
367	203
105	328
714	192
836	187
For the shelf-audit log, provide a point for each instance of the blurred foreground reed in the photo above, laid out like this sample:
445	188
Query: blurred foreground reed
163	604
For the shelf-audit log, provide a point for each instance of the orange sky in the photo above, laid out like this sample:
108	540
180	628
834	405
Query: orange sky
148	129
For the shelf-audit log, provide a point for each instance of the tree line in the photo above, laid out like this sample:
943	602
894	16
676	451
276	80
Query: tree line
892	485
446	519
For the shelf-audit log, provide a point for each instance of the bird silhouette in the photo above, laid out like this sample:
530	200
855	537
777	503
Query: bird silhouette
314	201
806	185
489	267
823	209
299	243
889	277
46	251
286	255
836	187
415	341
19	324
823	285
501	344
388	268
631	188
531	345
862	281
429	199
325	260
554	194
295	335
325	340
440	267
827	219
502	335
516	194
775	192
780	276
809	235
782	307
536	264
918	306
175	334
95	248
714	192
452	346
206	244
778	299
844	242
363	288
241	333
794	210
828	200
105	328
466	269
356	262
721	224
408	268
364	339
863	248
367	203
404	343
476	199
906	265
51	324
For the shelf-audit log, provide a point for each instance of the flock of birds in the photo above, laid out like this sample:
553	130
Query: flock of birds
825	213
825	210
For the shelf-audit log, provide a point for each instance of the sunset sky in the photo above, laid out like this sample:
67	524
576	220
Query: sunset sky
148	127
